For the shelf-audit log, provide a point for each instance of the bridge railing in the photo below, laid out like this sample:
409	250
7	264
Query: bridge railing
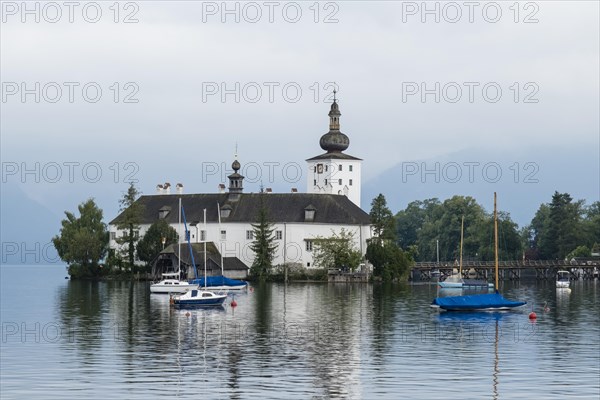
508	264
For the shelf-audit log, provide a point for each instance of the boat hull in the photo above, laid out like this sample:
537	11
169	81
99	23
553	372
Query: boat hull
196	298
562	284
171	286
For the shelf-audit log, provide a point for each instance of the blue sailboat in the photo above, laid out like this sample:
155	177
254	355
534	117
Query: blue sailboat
479	302
197	297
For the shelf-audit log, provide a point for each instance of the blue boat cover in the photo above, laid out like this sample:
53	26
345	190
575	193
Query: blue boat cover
217	281
475	302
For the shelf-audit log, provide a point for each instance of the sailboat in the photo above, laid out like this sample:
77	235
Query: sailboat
195	297
480	302
456	281
220	282
171	282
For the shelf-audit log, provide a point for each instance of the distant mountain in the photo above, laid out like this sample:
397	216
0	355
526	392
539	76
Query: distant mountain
26	229
523	179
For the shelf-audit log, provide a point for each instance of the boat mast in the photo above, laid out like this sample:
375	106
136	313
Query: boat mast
496	240
220	247
179	244
205	237
462	223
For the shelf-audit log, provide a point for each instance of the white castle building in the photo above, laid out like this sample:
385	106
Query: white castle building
332	203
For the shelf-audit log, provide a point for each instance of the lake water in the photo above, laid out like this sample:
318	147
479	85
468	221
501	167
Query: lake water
73	340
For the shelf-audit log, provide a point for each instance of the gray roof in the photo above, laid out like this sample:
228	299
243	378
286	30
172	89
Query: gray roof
334	156
213	257
282	207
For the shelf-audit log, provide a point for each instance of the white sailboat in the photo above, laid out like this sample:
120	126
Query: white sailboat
171	282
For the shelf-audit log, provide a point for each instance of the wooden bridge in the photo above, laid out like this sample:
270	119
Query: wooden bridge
512	270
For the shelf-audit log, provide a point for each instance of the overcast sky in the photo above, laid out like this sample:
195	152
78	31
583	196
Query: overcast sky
183	82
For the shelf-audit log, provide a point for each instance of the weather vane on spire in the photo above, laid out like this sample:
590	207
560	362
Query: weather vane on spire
334	92
236	151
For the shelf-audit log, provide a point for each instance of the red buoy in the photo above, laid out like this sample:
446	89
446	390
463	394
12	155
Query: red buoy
233	303
532	315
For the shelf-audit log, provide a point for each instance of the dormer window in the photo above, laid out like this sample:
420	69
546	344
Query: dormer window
163	212
309	213
225	211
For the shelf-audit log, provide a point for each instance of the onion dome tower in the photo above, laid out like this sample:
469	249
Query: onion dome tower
335	172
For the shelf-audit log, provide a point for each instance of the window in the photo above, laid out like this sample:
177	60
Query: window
315	169
340	167
309	245
350	182
308	264
278	235
249	235
315	183
203	235
326	168
339	181
187	235
325	182
113	236
350	168
225	211
223	235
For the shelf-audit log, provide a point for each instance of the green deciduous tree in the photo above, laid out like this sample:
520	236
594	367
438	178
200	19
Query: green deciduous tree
337	251
83	241
152	243
129	221
388	259
263	245
426	223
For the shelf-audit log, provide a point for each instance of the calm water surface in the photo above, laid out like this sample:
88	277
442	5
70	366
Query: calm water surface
64	339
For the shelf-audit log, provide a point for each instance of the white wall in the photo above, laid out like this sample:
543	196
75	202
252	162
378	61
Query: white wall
332	174
294	237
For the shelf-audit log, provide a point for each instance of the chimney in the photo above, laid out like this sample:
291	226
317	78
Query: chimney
159	189
167	187
294	190
179	188
221	188
269	190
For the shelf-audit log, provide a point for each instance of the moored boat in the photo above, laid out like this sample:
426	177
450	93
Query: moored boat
479	302
196	297
562	279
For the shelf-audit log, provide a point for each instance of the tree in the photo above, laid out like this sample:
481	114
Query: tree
388	259
382	219
82	242
129	220
580	251
410	221
336	251
152	243
560	231
263	245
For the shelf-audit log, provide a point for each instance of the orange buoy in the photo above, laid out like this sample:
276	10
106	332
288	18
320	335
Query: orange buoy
532	315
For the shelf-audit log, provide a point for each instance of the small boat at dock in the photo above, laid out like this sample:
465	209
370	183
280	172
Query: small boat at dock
562	279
